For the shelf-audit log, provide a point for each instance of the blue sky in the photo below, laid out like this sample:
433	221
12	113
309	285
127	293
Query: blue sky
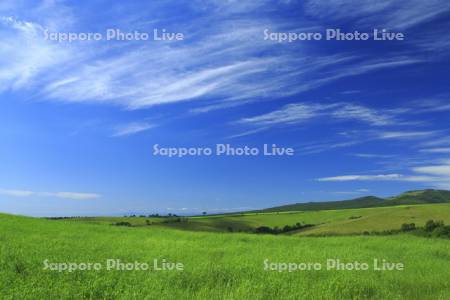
79	119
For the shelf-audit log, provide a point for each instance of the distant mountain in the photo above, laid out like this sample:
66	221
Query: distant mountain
362	202
420	197
411	197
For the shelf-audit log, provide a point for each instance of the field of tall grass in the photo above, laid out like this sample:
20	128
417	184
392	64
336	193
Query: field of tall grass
216	265
327	222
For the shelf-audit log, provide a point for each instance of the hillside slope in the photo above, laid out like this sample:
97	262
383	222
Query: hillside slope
411	197
362	202
420	197
326	222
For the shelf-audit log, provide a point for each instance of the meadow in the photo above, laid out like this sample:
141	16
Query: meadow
217	265
327	222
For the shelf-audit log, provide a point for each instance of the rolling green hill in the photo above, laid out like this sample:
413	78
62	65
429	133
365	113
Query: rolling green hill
420	197
362	202
326	222
411	197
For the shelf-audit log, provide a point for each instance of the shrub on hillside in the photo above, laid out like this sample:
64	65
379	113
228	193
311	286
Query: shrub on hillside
436	229
122	224
431	225
441	231
277	230
264	229
408	227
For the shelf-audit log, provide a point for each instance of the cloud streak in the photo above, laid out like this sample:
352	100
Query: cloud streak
437	175
61	195
132	128
221	66
378	177
387	13
302	112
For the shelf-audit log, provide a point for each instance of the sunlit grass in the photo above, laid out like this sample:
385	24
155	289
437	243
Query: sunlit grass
217	265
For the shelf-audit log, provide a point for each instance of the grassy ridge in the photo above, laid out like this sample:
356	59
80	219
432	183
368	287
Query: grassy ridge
217	265
381	219
411	197
363	202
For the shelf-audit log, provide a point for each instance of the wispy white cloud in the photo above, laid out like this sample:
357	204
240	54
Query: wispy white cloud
24	55
437	175
62	195
193	71
439	141
231	7
372	155
350	92
132	128
391	15
289	114
356	192
301	112
357	137
361	113
225	67
436	150
440	171
436	170
425	105
378	177
16	193
317	147
406	134
386	13
71	195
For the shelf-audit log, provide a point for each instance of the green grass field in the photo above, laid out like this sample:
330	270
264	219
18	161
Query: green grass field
328	222
217	265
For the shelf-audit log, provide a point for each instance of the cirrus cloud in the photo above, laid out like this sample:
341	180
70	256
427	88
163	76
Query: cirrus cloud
61	195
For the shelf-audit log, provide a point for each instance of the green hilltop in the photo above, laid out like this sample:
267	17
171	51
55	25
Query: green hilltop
409	198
